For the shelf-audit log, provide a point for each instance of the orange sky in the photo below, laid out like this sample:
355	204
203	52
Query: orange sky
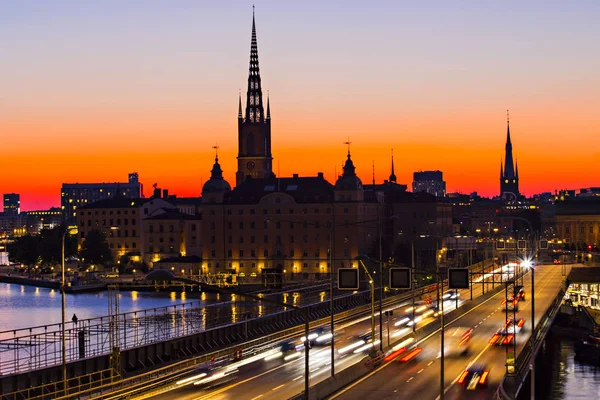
90	95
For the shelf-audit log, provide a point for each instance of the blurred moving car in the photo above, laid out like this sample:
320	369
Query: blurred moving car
208	377
456	341
474	376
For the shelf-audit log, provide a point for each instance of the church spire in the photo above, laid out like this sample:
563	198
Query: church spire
393	175
509	166
268	107
501	170
517	169
254	103
240	116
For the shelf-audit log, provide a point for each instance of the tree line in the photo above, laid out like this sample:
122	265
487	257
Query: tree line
45	249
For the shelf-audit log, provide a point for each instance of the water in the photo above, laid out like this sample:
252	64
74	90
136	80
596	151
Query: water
566	377
26	306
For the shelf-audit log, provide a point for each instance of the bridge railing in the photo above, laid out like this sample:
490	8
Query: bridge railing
530	348
103	388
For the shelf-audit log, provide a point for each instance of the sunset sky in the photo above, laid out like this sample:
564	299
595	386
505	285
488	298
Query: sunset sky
90	91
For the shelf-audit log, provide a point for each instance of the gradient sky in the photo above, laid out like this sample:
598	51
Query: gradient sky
90	91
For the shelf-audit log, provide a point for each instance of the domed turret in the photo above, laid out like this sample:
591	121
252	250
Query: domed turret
349	180
216	183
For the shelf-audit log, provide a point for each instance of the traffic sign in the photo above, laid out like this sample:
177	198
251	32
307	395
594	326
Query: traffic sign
348	279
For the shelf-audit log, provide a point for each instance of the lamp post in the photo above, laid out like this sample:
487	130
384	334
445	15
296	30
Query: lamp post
64	308
440	289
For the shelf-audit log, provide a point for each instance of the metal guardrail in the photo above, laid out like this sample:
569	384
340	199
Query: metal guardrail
38	347
84	386
531	348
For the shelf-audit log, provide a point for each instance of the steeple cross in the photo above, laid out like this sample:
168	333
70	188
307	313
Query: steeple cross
216	147
348	143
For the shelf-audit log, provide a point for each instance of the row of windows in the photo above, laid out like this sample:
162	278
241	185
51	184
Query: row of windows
118	212
213	239
278	253
160	249
124	245
161	228
111	222
277	224
125	233
277	211
581	229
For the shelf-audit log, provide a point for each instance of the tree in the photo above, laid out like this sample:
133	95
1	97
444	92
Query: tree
51	245
25	250
95	250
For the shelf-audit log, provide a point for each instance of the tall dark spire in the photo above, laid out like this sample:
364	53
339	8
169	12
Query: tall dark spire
268	107
254	103
501	169
240	116
517	169
393	175
509	166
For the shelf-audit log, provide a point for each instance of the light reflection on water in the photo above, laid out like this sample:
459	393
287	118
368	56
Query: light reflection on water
572	378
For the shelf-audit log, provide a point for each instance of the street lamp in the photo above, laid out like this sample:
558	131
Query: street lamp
63	307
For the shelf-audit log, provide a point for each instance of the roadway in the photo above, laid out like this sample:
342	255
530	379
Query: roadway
264	377
420	378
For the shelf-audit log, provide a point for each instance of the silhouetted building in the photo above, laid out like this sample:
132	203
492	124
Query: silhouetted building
431	182
77	195
509	176
254	127
12	204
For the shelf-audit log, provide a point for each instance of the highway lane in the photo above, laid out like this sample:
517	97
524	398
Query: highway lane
278	379
420	378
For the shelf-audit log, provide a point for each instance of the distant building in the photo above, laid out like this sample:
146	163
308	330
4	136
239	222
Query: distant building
589	192
120	219
577	221
12	204
77	195
42	219
431	182
509	175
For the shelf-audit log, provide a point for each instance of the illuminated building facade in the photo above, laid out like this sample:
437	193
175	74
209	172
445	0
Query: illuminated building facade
431	182
12	204
76	195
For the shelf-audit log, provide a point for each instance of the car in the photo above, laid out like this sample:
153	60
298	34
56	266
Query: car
208	377
519	293
511	303
456	341
474	376
506	334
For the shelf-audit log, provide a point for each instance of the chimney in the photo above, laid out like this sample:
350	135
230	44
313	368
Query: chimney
295	176
320	175
156	194
165	193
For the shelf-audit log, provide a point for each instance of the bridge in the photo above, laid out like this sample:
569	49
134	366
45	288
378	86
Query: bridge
258	373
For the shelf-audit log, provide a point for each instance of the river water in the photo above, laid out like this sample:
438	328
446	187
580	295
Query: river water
566	377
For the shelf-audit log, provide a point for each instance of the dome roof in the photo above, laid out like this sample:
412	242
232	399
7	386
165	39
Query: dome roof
349	180
216	183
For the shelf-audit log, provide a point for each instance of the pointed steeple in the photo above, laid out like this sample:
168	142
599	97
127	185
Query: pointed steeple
240	116
216	183
268	108
501	170
254	103
517	169
393	175
509	166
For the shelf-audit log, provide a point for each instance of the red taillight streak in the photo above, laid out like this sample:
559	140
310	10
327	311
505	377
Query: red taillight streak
463	376
395	354
504	301
483	377
464	340
521	323
411	355
494	339
508	339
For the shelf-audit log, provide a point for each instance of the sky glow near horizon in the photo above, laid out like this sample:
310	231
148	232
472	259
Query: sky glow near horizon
92	91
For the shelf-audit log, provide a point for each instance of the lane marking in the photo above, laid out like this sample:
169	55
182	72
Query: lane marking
423	369
430	362
257	397
410	379
300	377
316	369
422	340
278	387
